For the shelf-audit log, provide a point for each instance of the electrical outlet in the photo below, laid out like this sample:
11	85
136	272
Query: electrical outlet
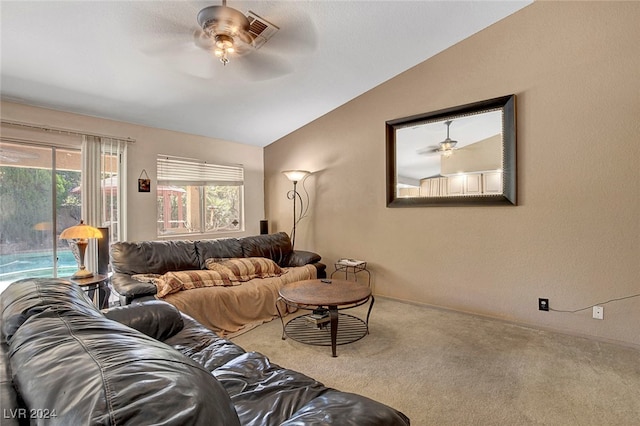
543	304
598	312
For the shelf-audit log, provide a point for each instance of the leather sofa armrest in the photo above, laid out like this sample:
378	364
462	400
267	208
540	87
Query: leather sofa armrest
155	318
321	269
130	289
301	258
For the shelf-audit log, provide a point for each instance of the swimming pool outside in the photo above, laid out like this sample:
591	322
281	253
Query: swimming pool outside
17	266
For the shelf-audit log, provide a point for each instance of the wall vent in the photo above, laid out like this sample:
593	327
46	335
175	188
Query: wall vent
261	29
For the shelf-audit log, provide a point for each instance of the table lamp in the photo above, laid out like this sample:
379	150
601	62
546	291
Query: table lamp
81	234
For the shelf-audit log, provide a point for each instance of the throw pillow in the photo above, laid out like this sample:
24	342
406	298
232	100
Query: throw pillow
245	268
146	278
172	282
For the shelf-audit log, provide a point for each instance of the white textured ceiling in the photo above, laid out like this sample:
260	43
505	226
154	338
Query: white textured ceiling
135	61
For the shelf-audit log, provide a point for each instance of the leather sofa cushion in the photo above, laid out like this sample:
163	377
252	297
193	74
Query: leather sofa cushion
276	247
26	298
203	345
155	318
261	389
345	409
153	257
219	247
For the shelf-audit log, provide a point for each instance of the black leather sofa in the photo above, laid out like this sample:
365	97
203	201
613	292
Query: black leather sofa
158	257
65	362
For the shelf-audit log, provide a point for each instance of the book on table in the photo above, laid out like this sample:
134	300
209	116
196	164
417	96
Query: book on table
318	316
317	321
351	262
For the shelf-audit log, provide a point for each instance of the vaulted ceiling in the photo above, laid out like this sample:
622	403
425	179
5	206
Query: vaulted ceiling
136	61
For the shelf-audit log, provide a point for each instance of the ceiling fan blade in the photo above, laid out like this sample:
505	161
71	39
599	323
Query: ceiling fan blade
203	41
429	150
260	66
198	64
188	60
162	31
295	37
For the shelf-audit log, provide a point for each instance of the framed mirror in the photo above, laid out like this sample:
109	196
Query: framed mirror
465	155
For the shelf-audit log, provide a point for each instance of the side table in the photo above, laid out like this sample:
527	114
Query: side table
96	287
352	266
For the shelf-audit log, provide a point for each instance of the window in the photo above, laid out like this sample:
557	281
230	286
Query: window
195	197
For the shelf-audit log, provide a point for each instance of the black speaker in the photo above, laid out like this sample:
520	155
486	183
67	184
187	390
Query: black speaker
264	227
103	252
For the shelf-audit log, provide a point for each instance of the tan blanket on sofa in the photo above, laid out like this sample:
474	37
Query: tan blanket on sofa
229	311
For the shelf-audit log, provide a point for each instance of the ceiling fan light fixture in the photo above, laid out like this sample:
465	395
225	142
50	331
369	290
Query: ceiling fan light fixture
446	153
224	42
448	145
224	46
225	26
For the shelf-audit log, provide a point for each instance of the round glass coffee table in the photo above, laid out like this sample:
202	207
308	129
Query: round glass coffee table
325	326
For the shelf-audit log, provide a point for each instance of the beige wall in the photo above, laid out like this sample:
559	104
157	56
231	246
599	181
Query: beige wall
141	207
574	236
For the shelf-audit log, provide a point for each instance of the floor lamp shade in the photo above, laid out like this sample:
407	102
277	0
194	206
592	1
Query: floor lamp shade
81	234
295	175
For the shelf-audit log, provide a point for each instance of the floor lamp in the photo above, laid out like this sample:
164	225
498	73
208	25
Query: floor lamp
296	176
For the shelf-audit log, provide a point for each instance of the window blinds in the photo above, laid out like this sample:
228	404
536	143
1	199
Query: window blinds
182	171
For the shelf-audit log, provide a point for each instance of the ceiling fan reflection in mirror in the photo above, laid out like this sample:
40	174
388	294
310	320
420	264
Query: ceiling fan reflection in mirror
227	31
444	148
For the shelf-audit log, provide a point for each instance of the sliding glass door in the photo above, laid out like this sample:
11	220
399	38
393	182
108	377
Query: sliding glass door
39	197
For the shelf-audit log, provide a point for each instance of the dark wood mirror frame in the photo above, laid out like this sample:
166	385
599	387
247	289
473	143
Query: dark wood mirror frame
506	104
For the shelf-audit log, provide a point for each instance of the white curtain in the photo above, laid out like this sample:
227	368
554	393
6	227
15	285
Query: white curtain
113	169
103	189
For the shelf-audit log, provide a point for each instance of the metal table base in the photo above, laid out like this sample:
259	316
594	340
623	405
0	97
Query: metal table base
341	329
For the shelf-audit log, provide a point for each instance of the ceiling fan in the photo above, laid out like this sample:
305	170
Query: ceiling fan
178	34
444	148
226	31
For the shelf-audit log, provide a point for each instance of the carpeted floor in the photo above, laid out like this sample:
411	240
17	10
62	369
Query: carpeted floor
447	368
